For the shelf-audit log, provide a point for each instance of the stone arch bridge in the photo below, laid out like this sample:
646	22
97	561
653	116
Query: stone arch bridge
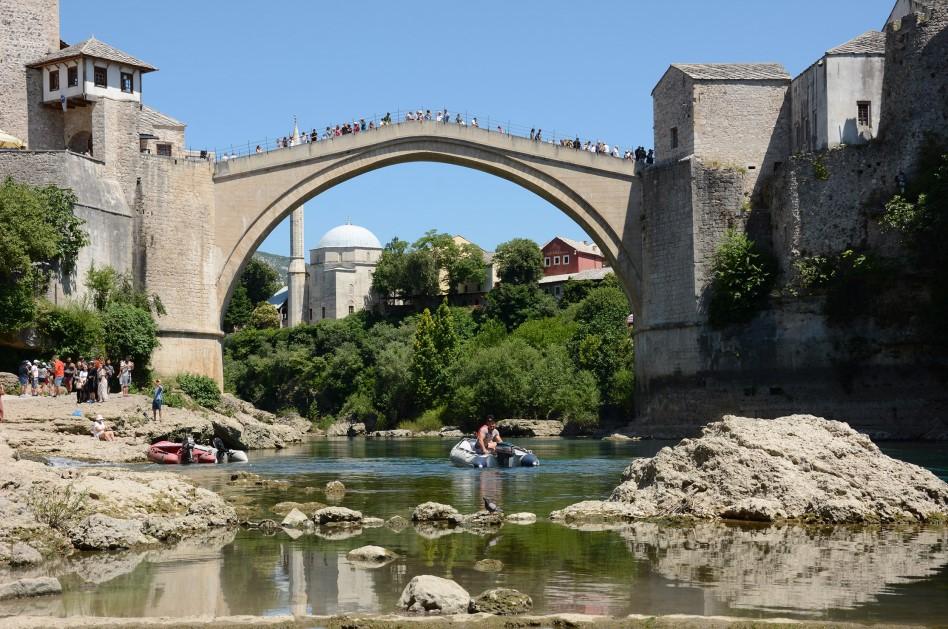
214	233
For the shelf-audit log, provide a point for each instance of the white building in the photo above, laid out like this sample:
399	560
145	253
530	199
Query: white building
340	276
838	99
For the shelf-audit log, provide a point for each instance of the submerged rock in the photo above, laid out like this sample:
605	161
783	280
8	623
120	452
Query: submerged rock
30	587
797	468
335	487
436	512
398	433
396	523
282	508
524	517
502	602
489	565
374	556
337	516
434	595
373	523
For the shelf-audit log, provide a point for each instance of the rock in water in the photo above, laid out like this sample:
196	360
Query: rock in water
371	556
434	595
338	516
524	517
489	565
30	587
335	487
373	523
396	523
436	512
101	532
797	468
502	602
295	519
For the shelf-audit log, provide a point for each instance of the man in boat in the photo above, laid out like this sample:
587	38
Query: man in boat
488	436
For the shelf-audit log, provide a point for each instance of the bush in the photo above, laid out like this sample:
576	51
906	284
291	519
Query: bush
741	278
265	316
71	330
129	331
173	399
430	420
201	389
58	507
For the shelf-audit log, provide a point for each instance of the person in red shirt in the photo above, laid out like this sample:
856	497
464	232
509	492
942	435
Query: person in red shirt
59	370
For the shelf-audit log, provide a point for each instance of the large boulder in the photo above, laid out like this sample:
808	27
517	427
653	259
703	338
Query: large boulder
337	516
502	602
434	595
796	468
22	554
102	532
23	588
530	427
9	381
296	519
436	512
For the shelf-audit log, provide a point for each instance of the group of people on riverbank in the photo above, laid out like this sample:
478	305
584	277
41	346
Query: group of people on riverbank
91	380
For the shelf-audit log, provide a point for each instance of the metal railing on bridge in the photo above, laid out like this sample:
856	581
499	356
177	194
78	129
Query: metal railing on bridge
487	124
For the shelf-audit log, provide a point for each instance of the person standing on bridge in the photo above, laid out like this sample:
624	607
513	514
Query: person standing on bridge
539	136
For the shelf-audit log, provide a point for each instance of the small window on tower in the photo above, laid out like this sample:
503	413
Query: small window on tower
72	76
164	149
864	113
100	77
127	83
324	312
351	309
54	80
674	137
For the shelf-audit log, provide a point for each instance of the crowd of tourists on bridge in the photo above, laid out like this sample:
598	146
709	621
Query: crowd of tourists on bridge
640	154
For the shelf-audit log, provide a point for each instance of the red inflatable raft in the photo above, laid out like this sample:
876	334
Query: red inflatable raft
170	453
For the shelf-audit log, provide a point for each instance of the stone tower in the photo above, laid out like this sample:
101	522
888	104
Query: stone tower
29	30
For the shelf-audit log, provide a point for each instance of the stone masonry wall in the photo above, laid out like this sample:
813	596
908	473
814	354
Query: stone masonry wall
673	104
29	30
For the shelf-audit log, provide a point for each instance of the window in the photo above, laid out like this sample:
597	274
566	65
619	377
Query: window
565	259
72	76
100	77
54	80
164	149
546	261
558	291
127	83
556	260
864	113
674	137
351	309
310	314
324	312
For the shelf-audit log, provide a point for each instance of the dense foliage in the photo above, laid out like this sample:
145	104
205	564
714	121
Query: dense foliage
257	283
453	366
741	278
421	270
264	316
39	235
201	389
850	281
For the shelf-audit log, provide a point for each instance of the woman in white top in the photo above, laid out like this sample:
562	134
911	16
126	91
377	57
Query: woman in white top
99	430
103	384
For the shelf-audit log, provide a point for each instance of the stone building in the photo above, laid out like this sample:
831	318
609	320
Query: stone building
340	275
731	114
472	293
837	100
553	284
565	256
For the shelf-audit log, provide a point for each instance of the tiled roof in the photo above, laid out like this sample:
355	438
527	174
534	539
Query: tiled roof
734	71
869	43
588	274
92	47
582	247
152	118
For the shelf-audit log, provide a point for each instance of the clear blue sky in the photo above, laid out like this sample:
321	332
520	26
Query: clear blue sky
239	70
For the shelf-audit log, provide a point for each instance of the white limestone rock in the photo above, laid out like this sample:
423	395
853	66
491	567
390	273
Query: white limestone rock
373	523
24	588
372	556
530	427
524	517
295	519
797	468
335	487
337	516
436	512
434	595
102	532
22	554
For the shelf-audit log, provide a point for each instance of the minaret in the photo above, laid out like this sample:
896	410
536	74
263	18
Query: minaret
297	283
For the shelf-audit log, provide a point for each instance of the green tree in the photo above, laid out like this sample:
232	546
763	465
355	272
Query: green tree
388	279
574	291
129	331
519	261
741	278
70	330
38	235
238	310
421	278
513	304
102	284
265	316
425	363
601	343
260	280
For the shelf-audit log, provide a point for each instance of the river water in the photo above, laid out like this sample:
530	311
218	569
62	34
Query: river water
858	574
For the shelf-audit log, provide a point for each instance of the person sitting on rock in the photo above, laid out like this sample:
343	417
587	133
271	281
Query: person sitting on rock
488	436
99	430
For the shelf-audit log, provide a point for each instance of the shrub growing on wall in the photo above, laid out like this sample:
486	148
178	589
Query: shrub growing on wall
741	278
129	331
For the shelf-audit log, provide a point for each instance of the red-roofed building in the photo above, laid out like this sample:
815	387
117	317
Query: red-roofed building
563	256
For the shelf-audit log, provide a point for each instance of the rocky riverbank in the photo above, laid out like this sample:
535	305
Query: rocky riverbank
796	468
47	427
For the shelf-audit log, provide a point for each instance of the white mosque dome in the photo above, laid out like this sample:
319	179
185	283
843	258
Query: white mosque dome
349	236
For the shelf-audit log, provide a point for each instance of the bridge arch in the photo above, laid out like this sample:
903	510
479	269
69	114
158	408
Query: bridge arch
254	194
